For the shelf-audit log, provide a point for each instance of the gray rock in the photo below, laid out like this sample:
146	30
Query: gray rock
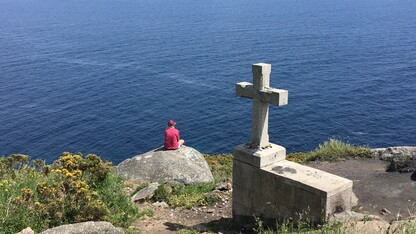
27	230
365	227
160	204
146	193
347	216
401	158
185	165
85	228
389	152
402	164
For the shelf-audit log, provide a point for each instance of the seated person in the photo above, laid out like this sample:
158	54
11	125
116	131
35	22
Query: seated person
172	139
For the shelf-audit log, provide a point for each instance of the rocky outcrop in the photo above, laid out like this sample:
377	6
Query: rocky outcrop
401	158
353	222
391	152
350	216
365	227
85	228
185	165
402	164
347	216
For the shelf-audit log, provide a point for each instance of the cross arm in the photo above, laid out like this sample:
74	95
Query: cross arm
277	97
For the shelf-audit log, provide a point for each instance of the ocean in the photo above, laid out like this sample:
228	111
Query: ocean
105	76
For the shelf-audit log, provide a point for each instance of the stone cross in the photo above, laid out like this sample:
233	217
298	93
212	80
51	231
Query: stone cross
262	96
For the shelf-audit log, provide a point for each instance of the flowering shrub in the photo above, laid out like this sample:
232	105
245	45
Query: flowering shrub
72	189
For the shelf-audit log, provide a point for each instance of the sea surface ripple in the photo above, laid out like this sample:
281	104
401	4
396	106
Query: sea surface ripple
104	77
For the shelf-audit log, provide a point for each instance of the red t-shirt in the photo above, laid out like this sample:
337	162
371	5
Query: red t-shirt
171	138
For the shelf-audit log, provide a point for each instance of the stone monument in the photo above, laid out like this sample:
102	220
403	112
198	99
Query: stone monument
267	186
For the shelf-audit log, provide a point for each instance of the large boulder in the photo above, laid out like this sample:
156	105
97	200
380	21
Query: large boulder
85	228
185	165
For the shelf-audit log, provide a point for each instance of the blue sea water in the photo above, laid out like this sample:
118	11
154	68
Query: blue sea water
104	76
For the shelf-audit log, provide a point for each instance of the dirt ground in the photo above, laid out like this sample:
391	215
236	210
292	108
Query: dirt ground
376	190
213	218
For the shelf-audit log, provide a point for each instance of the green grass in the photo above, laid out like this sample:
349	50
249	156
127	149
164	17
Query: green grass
187	196
332	227
331	150
221	166
122	211
186	231
407	227
287	226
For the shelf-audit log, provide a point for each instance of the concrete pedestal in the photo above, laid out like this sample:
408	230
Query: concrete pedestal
266	185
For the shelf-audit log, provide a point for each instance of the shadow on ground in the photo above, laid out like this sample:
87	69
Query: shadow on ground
223	225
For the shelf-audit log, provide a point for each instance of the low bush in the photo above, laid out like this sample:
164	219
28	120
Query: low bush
331	150
72	189
221	166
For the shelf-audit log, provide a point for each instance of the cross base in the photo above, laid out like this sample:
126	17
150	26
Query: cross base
273	189
256	146
259	158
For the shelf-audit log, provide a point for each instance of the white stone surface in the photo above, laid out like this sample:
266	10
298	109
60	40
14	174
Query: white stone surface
185	165
308	178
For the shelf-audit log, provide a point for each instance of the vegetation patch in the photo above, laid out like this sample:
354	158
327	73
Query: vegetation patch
72	189
221	166
186	196
298	226
331	150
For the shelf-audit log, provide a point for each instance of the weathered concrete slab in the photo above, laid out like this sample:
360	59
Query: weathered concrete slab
285	189
308	178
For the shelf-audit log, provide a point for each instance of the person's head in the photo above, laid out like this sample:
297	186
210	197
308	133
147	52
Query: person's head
171	123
